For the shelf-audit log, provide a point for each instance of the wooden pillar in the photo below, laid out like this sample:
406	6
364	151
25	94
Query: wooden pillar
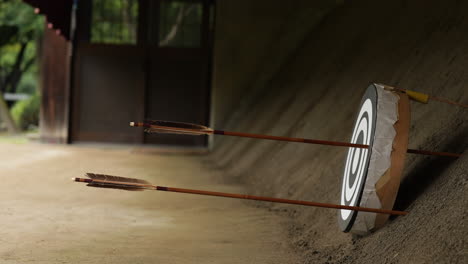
55	65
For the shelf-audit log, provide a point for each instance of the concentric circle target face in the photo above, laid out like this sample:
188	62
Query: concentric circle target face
357	161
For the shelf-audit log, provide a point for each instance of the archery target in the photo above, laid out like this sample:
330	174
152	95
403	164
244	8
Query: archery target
357	160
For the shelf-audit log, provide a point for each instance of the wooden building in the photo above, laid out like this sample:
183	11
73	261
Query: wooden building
105	63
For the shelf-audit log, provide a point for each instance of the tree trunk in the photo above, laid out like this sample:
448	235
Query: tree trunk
5	115
12	80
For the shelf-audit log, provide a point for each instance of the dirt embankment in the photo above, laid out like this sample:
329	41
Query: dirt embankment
420	45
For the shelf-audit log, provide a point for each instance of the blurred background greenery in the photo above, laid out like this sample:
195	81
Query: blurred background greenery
21	30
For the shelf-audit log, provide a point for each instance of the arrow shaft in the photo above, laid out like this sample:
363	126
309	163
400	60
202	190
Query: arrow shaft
238	196
325	142
249	135
280	200
425	152
288	139
443	100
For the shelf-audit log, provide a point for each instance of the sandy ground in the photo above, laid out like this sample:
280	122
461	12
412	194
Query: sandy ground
47	218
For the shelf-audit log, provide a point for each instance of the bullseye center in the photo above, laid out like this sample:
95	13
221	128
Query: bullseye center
355	163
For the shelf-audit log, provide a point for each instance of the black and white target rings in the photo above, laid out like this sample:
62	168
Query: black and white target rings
372	175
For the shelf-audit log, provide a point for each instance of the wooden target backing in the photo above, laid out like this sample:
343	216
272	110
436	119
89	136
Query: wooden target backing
388	185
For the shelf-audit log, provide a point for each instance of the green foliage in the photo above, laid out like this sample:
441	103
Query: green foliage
28	83
26	112
7	34
114	22
18	14
20	28
18	25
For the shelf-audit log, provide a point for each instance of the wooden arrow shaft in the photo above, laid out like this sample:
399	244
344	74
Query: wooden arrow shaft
324	142
249	135
239	196
280	200
288	139
440	99
432	153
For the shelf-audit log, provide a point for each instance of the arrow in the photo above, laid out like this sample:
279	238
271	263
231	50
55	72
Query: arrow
423	98
131	184
158	126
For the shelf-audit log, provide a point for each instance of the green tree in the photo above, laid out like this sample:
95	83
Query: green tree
19	29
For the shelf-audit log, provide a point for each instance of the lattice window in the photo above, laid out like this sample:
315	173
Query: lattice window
180	24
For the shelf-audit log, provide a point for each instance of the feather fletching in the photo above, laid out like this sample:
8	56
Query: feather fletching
176	124
104	177
170	127
116	182
116	186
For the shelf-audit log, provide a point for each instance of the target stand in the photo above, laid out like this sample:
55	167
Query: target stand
372	175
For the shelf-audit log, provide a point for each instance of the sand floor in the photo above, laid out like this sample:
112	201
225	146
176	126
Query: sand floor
47	218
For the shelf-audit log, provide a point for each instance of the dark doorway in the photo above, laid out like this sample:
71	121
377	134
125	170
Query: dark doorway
137	59
179	56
